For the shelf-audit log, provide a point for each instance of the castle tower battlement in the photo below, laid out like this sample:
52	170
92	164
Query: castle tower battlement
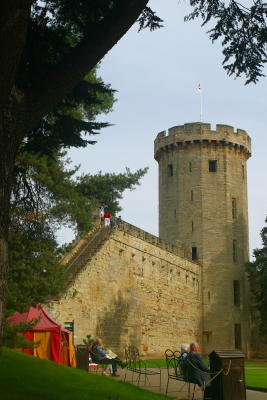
203	204
201	133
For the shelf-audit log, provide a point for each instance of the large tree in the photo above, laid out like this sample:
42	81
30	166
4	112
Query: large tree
47	47
257	273
242	31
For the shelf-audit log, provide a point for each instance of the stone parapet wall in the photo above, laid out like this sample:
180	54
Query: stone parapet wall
133	292
78	245
132	230
196	133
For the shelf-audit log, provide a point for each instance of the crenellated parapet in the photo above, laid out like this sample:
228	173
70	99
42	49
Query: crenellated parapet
199	133
132	230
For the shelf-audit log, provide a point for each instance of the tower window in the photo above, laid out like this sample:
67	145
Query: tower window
212	165
192	195
234	251
192	226
236	293
170	170
194	253
238	341
243	172
234	208
190	166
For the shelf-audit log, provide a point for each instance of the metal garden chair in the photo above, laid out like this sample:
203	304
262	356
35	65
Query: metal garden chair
138	366
174	371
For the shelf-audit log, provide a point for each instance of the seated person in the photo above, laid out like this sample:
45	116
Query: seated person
184	350
182	358
196	371
100	356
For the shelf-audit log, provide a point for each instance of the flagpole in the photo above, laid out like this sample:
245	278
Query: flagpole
201	106
199	88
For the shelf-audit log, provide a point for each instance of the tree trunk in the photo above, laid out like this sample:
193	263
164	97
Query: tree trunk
3	284
9	143
14	19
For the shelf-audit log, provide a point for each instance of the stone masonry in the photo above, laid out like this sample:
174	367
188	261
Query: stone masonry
136	290
130	287
203	204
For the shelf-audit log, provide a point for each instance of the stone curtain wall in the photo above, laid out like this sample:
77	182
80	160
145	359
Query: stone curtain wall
133	292
177	248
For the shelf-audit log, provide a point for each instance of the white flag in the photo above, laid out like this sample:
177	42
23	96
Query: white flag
199	88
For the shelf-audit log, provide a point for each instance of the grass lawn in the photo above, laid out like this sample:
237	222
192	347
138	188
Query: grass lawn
156	363
255	364
256	378
24	377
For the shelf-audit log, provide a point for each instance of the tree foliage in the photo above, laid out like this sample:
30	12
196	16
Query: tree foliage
88	341
242	30
42	179
43	199
35	273
73	118
108	188
13	334
44	190
257	272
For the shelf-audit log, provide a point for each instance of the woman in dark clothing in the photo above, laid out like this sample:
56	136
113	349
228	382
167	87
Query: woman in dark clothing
99	356
196	370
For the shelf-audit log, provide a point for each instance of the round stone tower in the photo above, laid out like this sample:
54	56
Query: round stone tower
203	203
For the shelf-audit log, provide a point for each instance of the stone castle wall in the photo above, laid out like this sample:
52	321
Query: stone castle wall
196	208
134	292
143	290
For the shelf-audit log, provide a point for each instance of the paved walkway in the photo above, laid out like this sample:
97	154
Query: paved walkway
252	395
177	389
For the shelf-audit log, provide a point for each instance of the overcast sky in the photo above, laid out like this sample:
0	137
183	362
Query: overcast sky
156	75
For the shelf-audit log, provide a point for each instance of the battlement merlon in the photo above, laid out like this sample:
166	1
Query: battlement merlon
198	132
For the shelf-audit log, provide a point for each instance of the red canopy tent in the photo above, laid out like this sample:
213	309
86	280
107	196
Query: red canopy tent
54	343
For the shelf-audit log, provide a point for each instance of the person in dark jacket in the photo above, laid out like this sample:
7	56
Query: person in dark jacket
182	358
196	370
99	356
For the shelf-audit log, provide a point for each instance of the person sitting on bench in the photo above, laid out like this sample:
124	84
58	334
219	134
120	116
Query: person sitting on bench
182	358
101	357
196	371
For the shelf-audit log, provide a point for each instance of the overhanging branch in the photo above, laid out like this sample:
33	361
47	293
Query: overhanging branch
58	81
